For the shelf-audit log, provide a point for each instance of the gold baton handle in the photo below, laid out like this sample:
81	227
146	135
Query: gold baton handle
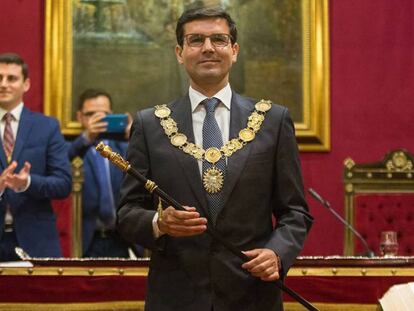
112	156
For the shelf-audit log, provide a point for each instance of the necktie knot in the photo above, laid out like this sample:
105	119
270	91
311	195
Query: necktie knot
211	104
8	117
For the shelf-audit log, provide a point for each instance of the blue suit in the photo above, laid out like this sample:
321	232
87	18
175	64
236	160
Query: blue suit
90	189
39	142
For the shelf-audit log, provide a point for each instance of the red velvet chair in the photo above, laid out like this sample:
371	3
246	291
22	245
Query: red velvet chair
380	197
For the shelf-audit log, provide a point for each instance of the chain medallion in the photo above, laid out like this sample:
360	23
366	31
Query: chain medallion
213	178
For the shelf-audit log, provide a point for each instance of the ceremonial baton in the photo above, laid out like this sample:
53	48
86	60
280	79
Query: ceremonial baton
151	187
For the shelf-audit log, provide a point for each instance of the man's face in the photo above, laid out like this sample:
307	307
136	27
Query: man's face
207	65
12	85
97	106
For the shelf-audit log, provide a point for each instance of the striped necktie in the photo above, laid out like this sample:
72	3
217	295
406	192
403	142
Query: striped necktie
8	137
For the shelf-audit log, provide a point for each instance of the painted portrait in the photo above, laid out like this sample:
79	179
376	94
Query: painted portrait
126	47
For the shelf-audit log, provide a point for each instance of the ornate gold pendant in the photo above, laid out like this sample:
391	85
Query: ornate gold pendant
162	111
213	180
246	135
212	155
263	105
178	140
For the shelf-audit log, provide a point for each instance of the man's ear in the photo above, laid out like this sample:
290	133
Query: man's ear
26	85
236	48
178	54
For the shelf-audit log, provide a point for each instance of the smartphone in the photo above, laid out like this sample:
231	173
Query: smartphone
117	123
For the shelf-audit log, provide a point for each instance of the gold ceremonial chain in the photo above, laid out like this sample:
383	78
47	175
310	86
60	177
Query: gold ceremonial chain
213	177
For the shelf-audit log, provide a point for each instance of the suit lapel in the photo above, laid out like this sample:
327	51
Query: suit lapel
23	131
240	111
181	113
3	159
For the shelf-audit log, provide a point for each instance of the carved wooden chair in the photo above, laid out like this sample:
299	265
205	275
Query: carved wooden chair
76	208
380	197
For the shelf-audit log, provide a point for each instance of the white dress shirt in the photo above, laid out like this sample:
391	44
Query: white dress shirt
222	114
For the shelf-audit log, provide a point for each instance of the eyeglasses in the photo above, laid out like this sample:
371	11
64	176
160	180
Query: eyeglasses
216	39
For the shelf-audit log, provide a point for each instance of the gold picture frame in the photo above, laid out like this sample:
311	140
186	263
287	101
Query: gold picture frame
312	128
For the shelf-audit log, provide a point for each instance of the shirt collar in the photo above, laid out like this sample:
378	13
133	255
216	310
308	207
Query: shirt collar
224	95
16	112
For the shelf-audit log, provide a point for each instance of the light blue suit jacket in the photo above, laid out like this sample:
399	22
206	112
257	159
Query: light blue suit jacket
39	142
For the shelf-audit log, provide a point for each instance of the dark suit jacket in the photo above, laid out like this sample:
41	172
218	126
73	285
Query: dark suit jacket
39	142
90	188
262	179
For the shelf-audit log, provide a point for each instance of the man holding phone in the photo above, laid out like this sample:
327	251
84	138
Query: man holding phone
102	181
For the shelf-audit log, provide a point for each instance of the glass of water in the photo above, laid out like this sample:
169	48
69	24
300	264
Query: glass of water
388	244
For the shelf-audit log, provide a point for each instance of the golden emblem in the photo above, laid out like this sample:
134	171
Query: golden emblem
255	121
169	125
246	135
193	149
162	111
178	140
213	180
228	149
212	155
199	154
263	105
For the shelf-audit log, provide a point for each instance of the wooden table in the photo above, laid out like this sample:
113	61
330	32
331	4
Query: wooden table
346	283
330	283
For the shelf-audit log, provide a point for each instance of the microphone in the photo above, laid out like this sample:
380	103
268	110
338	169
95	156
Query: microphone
317	197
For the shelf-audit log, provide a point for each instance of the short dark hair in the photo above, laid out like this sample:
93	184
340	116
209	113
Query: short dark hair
13	58
92	93
203	13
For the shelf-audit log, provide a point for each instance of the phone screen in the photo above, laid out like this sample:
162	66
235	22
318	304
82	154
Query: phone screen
117	123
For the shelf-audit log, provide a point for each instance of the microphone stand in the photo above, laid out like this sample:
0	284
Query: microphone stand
150	186
315	195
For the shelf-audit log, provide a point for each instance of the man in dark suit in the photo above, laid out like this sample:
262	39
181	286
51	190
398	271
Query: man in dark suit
234	163
34	168
102	182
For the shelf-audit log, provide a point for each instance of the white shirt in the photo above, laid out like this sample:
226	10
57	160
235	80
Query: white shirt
222	114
